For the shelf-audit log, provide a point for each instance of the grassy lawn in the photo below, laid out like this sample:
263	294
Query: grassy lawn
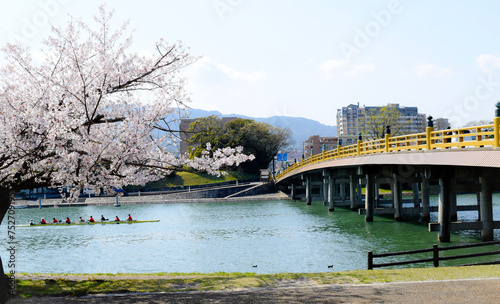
180	179
77	285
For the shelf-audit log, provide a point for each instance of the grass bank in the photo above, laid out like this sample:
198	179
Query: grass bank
180	179
36	285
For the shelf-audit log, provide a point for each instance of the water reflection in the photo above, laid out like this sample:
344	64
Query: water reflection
279	236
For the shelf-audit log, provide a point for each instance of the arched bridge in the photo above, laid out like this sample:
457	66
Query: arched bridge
447	162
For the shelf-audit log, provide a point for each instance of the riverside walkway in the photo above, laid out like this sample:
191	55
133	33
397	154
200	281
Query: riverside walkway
456	291
250	192
446	162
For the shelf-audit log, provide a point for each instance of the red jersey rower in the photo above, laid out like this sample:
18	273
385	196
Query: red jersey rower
129	218
91	219
68	221
43	222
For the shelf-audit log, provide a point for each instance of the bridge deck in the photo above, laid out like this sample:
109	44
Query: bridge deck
483	157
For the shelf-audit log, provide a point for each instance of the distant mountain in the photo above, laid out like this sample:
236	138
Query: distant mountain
302	128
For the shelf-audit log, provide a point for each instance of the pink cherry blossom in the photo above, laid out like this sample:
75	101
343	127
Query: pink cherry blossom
86	115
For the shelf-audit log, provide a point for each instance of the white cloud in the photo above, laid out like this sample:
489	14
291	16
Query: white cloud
432	70
487	63
328	66
206	63
361	69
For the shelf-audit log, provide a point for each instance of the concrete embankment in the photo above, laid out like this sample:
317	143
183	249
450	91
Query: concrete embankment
248	192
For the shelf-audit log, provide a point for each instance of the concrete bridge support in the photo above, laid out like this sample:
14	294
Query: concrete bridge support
416	197
353	185
308	189
331	194
478	197
426	210
486	208
370	199
397	195
359	193
444	216
293	193
342	192
326	179
453	202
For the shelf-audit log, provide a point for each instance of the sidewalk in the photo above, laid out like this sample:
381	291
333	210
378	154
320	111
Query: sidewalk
456	291
146	199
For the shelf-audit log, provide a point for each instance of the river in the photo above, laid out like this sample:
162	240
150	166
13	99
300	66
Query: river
262	237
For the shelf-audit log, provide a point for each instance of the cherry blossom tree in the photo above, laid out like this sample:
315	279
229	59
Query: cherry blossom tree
84	116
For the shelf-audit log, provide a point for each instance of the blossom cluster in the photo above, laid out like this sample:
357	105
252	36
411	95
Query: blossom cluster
80	119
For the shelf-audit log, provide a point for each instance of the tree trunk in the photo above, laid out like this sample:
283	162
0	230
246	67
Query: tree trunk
6	197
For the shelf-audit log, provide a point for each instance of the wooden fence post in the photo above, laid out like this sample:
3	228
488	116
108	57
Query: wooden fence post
370	260
435	251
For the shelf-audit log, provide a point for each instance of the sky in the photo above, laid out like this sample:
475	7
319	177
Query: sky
300	58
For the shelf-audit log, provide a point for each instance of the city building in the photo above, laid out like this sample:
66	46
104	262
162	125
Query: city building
316	144
352	120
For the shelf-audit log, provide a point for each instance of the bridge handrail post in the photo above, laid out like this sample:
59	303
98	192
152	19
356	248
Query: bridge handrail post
496	127
387	136
359	146
428	132
496	130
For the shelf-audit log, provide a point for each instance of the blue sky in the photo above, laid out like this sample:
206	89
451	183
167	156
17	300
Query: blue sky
309	58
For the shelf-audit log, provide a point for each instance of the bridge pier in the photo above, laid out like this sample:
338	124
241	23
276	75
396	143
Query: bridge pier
453	202
426	210
326	178
352	191
444	216
416	197
342	192
331	194
397	196
359	192
486	209
478	197
369	196
293	191
308	190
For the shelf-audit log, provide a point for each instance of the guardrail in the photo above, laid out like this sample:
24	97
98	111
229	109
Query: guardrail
467	137
435	255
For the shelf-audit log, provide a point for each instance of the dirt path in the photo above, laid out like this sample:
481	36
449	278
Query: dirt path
456	291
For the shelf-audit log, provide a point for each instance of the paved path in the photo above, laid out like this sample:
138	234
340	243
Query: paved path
459	291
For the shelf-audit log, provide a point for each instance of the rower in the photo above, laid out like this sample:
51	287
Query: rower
117	219
80	220
91	219
31	223
54	221
103	219
43	222
129	218
68	220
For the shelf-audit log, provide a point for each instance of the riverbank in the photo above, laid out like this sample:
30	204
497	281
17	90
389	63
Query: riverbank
452	284
165	198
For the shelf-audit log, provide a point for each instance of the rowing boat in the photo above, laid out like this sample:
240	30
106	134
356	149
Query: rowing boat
89	223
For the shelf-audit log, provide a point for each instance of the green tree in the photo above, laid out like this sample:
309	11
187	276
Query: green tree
205	130
257	138
376	121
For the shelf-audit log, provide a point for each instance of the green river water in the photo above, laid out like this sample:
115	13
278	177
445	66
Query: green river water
262	237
